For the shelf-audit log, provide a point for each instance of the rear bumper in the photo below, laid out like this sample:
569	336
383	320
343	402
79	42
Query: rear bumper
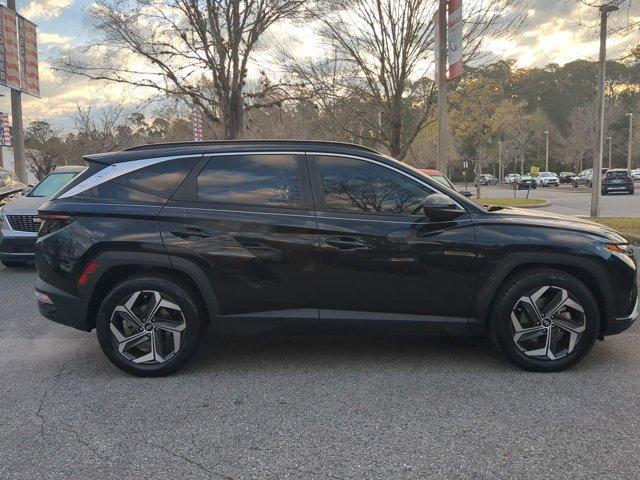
620	324
17	247
61	307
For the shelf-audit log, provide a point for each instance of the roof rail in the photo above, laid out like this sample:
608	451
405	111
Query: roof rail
151	146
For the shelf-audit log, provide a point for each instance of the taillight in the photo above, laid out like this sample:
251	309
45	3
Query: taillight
50	222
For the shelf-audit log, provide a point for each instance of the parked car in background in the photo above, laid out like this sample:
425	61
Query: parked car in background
444	180
511	178
547	179
635	174
152	245
486	179
10	186
617	180
585	177
527	181
19	220
566	177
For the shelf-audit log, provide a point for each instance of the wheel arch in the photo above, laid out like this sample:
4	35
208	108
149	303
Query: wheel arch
116	266
587	271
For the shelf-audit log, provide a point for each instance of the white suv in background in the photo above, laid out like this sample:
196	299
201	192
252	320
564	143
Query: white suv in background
547	179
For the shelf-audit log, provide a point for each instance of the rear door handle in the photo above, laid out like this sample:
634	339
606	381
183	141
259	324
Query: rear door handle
345	243
190	232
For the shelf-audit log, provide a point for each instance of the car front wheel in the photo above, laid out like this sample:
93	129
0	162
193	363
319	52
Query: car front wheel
149	326
545	320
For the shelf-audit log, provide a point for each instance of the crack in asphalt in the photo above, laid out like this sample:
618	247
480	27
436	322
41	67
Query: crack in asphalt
56	380
199	465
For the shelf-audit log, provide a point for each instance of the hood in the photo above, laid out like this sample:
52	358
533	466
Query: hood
556	220
24	205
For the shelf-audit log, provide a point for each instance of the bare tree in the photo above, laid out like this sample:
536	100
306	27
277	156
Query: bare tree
198	50
44	148
379	51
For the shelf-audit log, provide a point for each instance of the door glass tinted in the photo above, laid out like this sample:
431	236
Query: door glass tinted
251	179
360	186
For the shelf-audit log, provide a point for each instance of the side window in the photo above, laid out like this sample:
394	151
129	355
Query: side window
161	179
359	186
251	179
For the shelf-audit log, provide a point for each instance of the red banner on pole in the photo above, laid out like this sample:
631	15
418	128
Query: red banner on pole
10	55
28	41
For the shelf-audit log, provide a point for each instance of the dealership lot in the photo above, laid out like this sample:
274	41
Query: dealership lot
308	407
568	201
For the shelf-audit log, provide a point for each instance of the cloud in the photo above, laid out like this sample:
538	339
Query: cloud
45	9
53	39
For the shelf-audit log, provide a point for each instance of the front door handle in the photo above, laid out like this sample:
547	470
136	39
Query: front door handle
191	232
345	243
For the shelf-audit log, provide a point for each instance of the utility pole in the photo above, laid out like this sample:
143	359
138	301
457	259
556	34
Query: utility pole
609	140
17	127
500	178
597	167
546	162
442	87
630	147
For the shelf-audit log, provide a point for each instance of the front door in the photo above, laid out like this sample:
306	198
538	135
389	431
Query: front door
381	258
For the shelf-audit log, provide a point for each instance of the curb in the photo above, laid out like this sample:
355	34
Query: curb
546	203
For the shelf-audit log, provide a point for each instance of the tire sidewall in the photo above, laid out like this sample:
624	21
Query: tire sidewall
179	294
501	324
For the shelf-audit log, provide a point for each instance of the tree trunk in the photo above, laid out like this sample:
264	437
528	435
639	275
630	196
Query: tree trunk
234	121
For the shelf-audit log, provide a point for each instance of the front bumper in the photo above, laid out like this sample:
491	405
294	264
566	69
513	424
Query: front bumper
620	324
61	307
17	246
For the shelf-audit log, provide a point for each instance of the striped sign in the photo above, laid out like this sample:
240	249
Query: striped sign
5	131
198	124
10	55
28	41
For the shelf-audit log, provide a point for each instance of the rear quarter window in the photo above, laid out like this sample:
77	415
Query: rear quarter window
161	179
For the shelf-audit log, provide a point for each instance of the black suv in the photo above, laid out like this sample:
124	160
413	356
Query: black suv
152	244
617	180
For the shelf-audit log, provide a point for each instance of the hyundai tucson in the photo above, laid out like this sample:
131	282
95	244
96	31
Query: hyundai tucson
154	244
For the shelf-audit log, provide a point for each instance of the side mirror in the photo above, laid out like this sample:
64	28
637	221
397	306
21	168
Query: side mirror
439	207
466	193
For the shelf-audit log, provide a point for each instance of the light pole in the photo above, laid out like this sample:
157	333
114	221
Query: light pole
500	161
609	140
546	158
629	148
597	167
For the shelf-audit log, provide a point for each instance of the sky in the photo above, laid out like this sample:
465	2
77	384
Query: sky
557	31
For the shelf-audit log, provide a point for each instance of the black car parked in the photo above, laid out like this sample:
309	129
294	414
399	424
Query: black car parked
151	245
617	180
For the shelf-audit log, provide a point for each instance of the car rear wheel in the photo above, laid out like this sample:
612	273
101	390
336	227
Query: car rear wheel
545	320
149	326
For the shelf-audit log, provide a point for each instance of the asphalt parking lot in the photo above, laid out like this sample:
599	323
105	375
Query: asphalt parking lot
568	201
318	407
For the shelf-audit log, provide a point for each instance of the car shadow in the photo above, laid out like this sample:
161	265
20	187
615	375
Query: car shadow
338	351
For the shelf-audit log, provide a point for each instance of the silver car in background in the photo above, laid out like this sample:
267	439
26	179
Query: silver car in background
19	221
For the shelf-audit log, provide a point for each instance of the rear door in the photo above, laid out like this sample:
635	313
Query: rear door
248	220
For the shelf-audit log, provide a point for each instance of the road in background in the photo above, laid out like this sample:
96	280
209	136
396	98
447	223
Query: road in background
314	407
568	202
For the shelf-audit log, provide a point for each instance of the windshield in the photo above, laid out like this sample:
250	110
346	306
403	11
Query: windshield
619	174
51	184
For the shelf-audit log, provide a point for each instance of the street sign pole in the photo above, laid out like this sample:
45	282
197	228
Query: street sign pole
18	128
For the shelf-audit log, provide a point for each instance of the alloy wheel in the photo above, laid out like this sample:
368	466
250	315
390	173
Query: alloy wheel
147	327
547	323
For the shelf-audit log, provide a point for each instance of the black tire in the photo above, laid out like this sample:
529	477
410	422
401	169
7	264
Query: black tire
169	289
13	264
589	184
503	332
604	192
632	191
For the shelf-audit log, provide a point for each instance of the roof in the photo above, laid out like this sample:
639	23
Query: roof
431	171
200	148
